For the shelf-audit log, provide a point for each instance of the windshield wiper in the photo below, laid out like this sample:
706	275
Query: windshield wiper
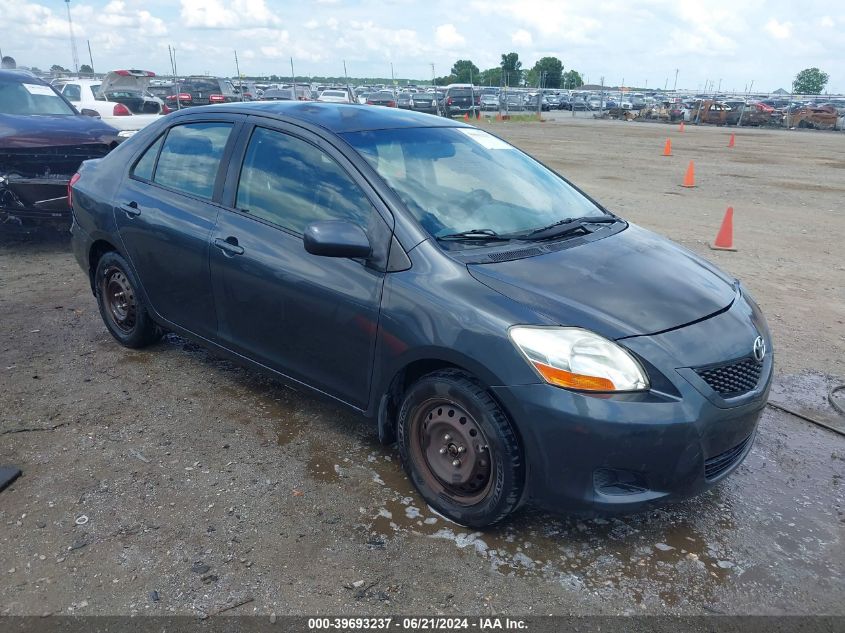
476	235
568	225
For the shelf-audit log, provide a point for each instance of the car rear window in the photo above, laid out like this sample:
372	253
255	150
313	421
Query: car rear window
460	92
200	85
190	157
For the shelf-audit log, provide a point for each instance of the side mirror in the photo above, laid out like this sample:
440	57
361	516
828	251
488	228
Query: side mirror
336	238
90	112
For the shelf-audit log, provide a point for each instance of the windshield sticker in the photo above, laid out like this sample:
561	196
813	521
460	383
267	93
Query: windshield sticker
38	89
488	141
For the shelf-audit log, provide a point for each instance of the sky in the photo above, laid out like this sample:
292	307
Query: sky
638	42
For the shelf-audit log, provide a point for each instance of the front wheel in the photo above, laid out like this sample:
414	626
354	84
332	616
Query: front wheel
460	449
120	304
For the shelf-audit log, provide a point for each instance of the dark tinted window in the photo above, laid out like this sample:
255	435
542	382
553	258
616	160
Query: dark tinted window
460	92
144	166
291	183
200	85
190	157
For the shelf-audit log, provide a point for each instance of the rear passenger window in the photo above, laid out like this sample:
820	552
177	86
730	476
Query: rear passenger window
291	183
144	166
72	92
190	157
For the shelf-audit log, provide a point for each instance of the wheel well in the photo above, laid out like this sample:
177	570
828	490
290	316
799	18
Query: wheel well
389	408
98	249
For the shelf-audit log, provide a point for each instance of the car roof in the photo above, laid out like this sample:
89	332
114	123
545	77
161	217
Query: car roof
334	117
20	76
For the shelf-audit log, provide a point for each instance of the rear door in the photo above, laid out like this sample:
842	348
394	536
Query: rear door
165	211
311	318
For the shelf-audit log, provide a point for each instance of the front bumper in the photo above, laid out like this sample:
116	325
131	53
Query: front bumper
626	452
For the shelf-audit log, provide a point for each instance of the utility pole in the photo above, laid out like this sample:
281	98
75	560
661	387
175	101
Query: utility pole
293	78
72	39
240	83
675	87
90	57
392	79
172	53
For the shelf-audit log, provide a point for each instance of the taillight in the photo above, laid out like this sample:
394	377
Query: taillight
121	110
216	98
370	102
73	180
478	101
449	101
391	104
165	109
184	96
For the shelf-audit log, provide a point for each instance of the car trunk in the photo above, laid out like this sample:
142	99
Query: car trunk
136	102
129	88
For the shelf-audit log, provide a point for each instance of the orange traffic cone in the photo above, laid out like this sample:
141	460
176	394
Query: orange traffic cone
725	237
732	142
689	177
681	128
466	117
667	149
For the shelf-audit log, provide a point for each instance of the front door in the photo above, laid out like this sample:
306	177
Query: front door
311	318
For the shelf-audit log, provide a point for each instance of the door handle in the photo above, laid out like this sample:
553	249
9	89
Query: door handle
131	209
229	246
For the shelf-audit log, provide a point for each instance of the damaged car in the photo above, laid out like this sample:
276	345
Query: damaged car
43	140
121	98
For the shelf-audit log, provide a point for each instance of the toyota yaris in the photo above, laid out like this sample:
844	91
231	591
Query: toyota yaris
516	339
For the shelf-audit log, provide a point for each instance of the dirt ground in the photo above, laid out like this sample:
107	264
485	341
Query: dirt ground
167	481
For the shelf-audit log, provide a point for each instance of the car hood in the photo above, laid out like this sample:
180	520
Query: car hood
27	131
631	283
114	81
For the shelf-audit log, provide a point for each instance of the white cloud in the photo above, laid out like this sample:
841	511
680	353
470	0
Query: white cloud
521	38
447	36
779	30
217	14
827	21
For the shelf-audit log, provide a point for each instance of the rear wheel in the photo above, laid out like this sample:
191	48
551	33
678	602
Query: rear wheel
460	450
120	304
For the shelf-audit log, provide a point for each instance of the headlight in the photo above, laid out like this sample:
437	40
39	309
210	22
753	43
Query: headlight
579	359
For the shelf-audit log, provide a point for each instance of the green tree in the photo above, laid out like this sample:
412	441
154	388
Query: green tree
85	68
810	81
571	79
491	77
465	71
55	68
553	69
445	80
511	69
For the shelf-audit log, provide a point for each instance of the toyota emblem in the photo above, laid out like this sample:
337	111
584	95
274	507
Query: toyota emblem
759	349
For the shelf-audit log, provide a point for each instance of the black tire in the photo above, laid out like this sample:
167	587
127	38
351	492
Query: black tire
120	303
488	483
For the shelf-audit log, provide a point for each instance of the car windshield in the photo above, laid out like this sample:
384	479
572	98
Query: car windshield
31	98
456	179
333	93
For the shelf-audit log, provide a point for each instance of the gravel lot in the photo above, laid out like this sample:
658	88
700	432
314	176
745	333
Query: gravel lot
171	482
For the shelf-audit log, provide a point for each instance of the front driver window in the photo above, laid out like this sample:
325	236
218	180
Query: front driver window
291	183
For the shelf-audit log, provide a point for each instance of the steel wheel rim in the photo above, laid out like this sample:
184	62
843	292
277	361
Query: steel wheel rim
452	451
119	298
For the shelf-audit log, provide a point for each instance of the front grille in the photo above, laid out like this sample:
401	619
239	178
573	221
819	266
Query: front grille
45	161
715	466
732	379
